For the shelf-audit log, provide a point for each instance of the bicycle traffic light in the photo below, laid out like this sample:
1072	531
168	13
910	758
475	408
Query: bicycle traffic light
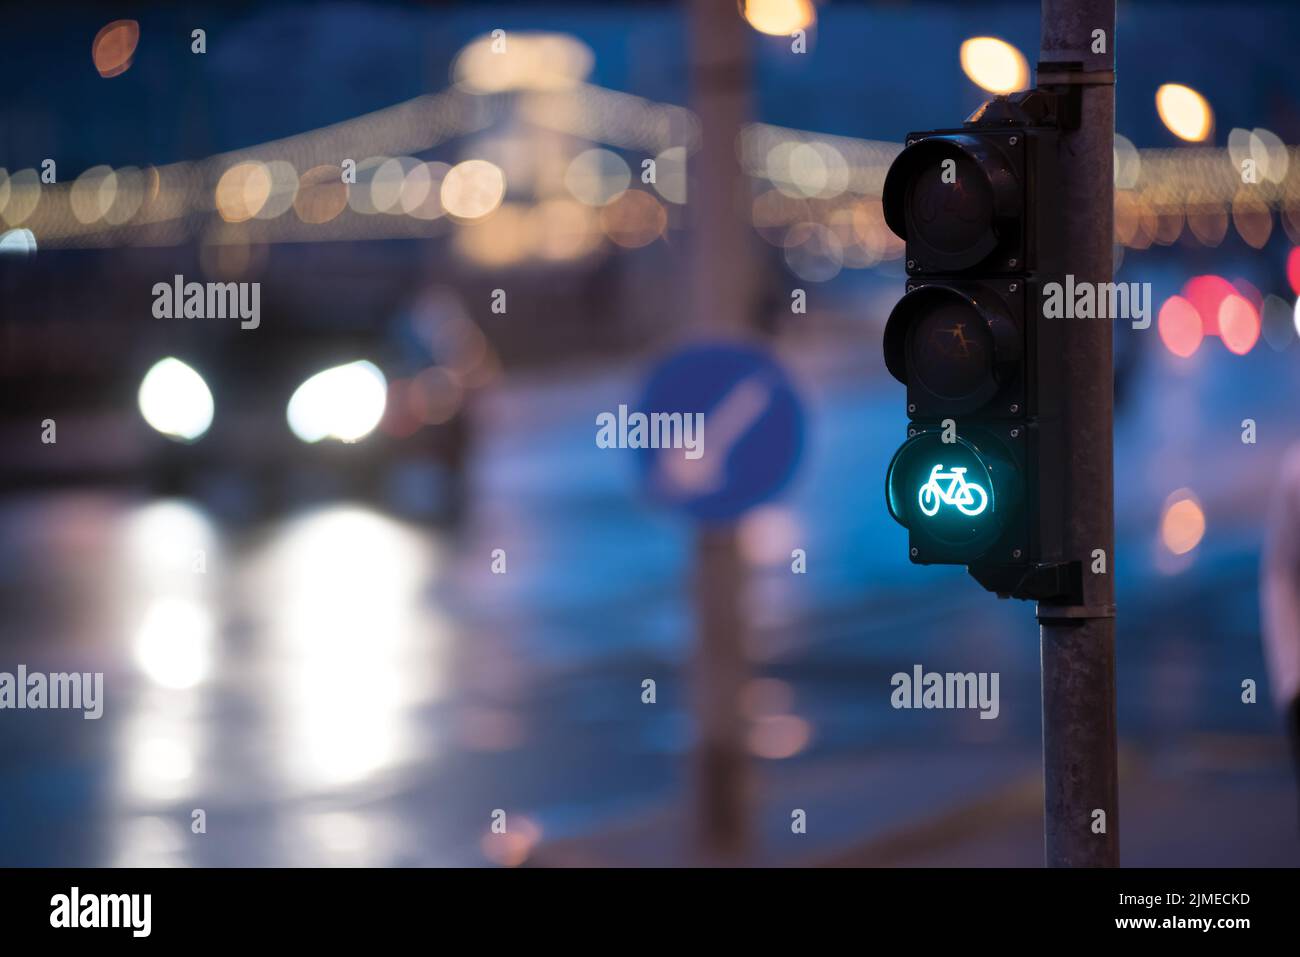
978	480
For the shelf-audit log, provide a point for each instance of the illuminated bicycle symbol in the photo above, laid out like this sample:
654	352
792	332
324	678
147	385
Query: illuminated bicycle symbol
967	497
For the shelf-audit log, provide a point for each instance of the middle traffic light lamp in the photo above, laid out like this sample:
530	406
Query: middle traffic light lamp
959	347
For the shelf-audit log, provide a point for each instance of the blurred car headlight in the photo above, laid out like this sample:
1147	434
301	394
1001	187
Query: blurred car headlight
175	400
343	403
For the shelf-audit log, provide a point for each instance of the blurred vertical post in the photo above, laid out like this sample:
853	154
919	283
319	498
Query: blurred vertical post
722	297
1078	642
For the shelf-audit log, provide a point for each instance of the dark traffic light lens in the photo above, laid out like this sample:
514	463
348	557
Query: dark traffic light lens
956	199
950	206
955	346
952	350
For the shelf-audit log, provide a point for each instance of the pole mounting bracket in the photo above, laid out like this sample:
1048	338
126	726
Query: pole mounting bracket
1048	612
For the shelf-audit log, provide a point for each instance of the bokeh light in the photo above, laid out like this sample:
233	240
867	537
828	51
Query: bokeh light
779	736
516	845
994	65
473	189
670	174
522	61
1238	324
597	177
1180	326
1182	526
1277	324
388	182
1207	218
343	403
422	191
1264	149
1252	217
1293	269
1207	293
114	47
779	18
283	189
242	191
1128	163
173	643
175	400
17	243
88	198
24	189
1184	112
634	219
122	194
321	195
359	192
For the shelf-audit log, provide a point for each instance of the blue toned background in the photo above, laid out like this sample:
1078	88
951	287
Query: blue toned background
347	681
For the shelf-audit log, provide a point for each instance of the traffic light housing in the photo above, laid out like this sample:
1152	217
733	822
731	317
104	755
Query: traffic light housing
978	482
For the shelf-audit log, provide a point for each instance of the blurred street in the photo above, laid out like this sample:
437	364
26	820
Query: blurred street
338	686
320	326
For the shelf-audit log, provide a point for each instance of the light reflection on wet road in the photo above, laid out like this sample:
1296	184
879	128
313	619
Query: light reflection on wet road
339	686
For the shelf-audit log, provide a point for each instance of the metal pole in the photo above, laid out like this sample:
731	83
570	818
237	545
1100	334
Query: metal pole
722	301
721	769
1078	642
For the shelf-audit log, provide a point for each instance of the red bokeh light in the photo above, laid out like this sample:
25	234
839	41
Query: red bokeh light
1293	270
1238	324
1180	325
1206	294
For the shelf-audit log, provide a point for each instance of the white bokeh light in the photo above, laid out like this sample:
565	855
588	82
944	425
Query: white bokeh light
175	400
174	643
344	403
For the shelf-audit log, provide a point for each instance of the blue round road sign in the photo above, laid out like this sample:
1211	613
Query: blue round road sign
743	421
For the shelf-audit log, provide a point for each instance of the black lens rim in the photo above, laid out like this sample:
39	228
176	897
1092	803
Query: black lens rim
1004	333
997	171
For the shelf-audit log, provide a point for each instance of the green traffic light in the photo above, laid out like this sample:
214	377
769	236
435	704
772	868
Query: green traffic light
969	498
954	497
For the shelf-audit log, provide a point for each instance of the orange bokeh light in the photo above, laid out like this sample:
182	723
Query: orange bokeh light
1183	524
322	194
114	47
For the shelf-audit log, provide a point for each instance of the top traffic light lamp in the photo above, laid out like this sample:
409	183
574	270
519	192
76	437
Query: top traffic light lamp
978	481
958	199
